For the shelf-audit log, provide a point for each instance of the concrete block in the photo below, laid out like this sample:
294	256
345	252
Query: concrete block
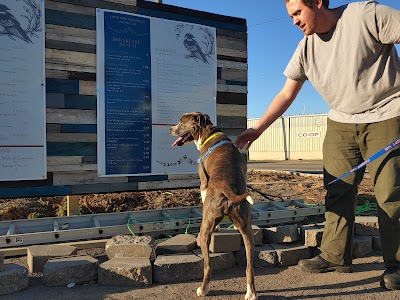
366	226
126	271
13	278
281	234
289	254
75	269
376	243
362	246
257	234
181	243
225	241
264	257
177	268
219	261
311	235
1	261
37	256
131	246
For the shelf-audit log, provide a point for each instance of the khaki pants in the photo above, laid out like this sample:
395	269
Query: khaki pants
345	147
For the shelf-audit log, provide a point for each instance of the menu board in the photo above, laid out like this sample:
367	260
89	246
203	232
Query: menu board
22	91
149	72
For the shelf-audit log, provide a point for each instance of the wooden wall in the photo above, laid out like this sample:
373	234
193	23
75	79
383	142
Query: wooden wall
71	95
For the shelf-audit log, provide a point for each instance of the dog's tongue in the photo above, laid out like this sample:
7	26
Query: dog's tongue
177	141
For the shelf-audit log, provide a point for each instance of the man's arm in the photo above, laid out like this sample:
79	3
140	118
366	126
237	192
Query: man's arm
279	105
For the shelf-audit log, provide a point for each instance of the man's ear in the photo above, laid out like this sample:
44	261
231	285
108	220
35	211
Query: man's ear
318	4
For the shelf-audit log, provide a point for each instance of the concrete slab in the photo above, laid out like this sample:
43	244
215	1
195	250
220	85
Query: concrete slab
131	246
181	243
264	257
362	246
177	268
13	278
365	225
311	235
126	271
219	261
281	234
37	256
257	234
225	241
289	254
75	269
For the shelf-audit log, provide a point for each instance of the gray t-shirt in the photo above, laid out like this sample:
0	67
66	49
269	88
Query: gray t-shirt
355	67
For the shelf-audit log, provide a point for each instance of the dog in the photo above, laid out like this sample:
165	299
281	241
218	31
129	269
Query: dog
222	170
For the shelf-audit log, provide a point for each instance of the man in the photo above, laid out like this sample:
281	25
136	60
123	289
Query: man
348	55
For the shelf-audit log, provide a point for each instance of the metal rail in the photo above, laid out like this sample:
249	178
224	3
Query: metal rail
17	233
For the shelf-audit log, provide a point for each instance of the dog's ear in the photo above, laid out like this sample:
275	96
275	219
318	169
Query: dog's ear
204	120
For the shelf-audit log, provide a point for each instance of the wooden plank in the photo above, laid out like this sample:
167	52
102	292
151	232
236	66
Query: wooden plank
231	43
26	192
79	128
121	5
27	183
231	52
231	98
190	12
70	116
72	205
72	168
71	137
87	88
71	149
64	18
66	67
61	86
84	177
84	10
170	184
53	128
232	33
232	88
64	160
57	74
78	47
232	110
55	100
231	122
70	34
64	57
232	74
80	102
232	59
104	188
183	176
147	178
232	65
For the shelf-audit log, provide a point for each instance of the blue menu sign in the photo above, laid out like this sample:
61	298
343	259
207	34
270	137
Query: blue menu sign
127	88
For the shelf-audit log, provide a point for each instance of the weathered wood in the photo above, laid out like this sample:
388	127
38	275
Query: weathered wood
231	43
70	116
231	98
231	110
72	205
64	160
232	88
64	57
63	18
71	137
232	74
231	122
232	65
231	53
171	184
71	149
84	10
70	34
65	67
72	168
77	47
87	87
84	177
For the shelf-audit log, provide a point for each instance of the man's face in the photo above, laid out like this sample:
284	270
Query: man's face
303	16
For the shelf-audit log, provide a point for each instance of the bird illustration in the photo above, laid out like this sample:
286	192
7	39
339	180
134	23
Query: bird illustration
190	43
11	25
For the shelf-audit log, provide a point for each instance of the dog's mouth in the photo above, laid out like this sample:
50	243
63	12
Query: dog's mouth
183	139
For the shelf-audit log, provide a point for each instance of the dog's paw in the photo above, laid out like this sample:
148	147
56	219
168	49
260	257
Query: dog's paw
202	293
250	295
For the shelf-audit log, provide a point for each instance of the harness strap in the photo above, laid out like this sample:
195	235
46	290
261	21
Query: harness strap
211	149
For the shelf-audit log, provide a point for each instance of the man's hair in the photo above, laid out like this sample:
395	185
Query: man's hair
310	3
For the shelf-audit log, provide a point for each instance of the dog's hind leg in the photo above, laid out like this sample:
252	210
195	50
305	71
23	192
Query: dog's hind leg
206	229
244	226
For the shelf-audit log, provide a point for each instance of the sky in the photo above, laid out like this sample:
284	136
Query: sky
272	39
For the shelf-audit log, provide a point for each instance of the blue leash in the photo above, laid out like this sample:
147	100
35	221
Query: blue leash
371	159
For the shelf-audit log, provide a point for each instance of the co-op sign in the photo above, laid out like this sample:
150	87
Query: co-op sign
308	134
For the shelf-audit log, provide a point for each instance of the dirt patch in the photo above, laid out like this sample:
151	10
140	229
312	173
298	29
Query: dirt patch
264	186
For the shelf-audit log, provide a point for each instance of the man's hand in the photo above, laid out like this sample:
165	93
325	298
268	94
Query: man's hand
247	137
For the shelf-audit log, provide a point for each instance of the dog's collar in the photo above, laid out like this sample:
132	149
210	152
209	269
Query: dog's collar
209	138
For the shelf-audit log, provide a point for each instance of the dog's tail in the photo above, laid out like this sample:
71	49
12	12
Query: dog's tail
238	198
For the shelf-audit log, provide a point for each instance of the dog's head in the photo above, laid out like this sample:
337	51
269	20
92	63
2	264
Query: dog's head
190	128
